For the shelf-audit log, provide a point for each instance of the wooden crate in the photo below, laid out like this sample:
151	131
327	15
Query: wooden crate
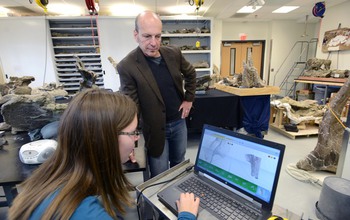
277	117
268	90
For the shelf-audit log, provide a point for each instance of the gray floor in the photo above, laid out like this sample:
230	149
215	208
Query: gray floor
292	194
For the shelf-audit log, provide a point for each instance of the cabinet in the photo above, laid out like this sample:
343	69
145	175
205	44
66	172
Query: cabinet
194	37
71	38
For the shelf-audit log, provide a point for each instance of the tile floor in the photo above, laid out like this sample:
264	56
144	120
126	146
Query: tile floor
296	196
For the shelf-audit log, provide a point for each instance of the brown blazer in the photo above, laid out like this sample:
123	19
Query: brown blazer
137	81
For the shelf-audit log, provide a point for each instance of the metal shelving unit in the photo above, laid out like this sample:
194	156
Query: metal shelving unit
71	38
185	33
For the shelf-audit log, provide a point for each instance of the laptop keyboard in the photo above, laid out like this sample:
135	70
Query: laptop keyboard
215	202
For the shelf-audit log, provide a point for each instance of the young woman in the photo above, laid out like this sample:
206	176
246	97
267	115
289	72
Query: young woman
84	178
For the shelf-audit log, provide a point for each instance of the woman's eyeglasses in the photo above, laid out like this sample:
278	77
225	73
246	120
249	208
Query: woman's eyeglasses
134	134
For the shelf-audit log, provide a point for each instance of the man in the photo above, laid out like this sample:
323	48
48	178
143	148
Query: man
163	84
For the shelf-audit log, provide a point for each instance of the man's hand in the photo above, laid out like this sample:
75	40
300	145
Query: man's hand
185	107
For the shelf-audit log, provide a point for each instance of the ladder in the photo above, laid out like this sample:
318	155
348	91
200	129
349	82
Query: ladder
287	86
294	65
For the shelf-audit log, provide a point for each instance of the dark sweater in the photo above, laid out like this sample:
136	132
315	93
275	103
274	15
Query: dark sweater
171	98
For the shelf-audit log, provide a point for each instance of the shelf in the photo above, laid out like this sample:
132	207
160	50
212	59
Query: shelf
321	80
184	33
72	75
75	47
82	56
187	35
71	38
195	51
73	29
72	64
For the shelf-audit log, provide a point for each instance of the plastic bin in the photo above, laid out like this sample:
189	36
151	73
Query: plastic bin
320	90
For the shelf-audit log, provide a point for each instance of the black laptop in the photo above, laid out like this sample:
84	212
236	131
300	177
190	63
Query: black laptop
236	174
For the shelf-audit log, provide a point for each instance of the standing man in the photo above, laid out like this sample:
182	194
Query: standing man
163	85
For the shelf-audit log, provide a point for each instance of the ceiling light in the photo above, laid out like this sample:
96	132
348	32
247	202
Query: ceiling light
126	10
249	9
64	9
285	9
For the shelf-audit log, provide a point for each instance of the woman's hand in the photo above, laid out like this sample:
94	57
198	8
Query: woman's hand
187	203
132	157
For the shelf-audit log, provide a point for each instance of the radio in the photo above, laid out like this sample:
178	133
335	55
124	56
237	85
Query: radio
37	152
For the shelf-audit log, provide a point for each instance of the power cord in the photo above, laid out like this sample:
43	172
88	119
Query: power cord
302	175
189	168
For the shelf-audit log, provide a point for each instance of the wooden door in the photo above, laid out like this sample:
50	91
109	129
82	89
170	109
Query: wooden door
233	53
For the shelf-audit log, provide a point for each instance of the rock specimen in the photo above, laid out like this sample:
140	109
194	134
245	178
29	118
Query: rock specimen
26	112
17	85
89	77
250	77
29	112
318	68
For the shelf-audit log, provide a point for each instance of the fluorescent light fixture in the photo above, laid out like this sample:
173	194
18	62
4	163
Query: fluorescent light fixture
126	10
249	9
64	9
285	9
4	11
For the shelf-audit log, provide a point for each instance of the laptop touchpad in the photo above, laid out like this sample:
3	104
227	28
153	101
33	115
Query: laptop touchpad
204	214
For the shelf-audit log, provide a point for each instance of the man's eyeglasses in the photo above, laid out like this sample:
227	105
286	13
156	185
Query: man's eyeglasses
133	134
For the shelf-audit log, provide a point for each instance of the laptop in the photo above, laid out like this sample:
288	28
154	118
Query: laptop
243	168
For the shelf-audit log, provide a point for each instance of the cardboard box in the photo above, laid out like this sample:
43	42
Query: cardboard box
304	94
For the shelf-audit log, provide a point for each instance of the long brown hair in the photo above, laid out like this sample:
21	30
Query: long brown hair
87	160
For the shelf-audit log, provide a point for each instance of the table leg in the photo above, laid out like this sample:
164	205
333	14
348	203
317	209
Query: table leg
325	95
146	174
10	193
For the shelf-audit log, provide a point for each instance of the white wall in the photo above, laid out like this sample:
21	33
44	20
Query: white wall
25	50
253	30
333	17
216	42
286	39
282	34
116	40
26	47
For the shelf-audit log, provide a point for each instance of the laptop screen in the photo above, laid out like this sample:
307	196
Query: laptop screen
247	164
